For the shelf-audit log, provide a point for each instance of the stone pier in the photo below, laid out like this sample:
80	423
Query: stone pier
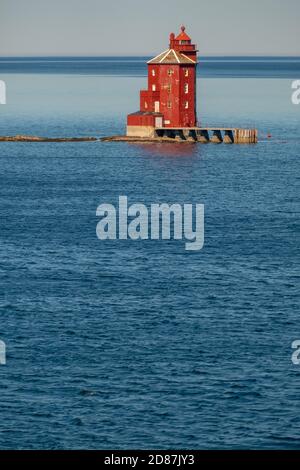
207	135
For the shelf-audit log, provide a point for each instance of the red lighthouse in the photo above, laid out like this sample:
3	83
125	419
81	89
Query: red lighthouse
170	100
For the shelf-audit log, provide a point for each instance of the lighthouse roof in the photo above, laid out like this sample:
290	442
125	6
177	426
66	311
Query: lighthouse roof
183	36
171	56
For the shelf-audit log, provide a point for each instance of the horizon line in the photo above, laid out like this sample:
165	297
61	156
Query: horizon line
144	55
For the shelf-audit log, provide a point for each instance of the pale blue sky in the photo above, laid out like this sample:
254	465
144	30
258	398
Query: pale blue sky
136	27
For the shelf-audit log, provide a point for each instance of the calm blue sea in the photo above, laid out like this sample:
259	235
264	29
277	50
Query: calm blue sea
119	345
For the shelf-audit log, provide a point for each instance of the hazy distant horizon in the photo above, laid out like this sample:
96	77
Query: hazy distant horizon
97	28
206	56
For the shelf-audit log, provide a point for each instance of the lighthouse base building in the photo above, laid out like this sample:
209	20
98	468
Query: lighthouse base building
170	100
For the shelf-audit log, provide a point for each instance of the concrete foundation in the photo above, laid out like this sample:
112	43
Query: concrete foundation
140	131
217	137
228	137
210	134
245	136
202	136
195	134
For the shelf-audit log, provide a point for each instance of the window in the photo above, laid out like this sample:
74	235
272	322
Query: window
153	87
169	104
170	72
153	73
186	72
169	88
186	105
186	88
146	105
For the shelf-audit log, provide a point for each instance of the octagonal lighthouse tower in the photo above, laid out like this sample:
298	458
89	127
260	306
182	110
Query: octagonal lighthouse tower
170	101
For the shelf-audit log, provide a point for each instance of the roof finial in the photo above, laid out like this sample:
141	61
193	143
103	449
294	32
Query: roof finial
183	28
